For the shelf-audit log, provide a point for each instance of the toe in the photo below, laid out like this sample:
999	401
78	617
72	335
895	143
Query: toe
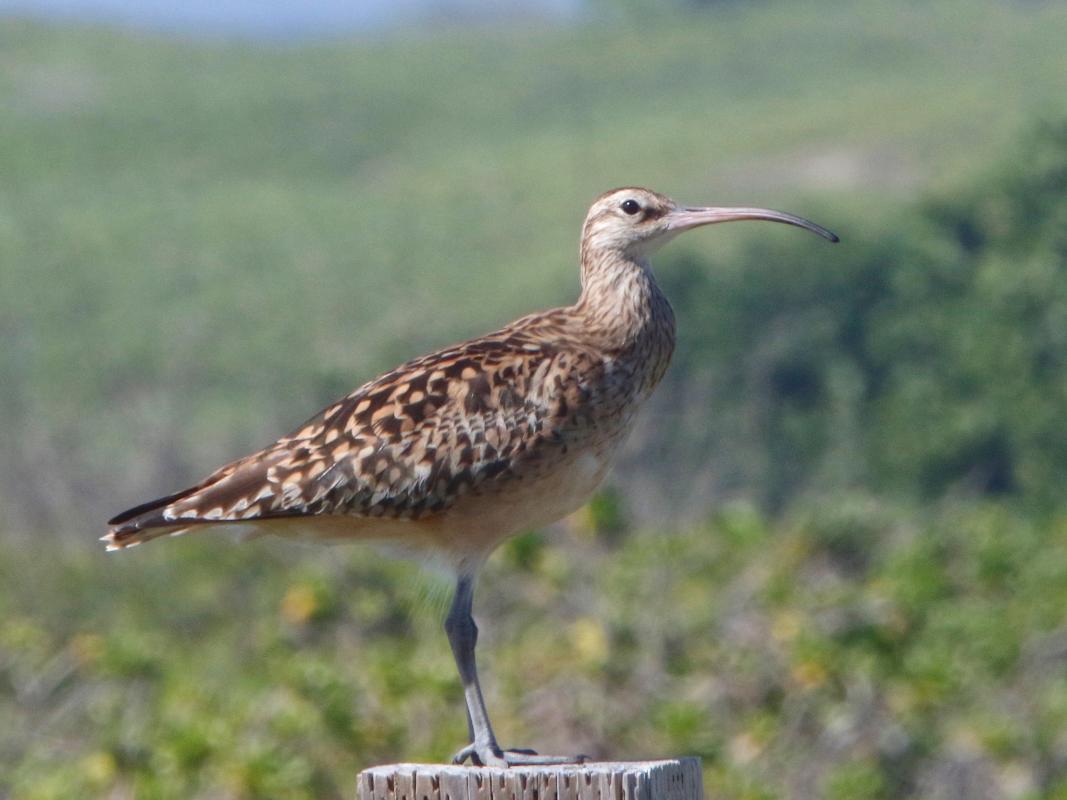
463	754
518	757
480	755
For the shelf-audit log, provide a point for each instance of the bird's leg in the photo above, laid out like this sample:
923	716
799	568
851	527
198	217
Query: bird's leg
463	637
483	749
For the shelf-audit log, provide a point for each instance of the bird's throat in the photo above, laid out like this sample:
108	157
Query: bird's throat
623	306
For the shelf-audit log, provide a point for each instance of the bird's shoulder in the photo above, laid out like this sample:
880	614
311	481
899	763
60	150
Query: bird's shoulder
522	366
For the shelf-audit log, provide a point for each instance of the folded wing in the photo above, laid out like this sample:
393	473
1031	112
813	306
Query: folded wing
406	445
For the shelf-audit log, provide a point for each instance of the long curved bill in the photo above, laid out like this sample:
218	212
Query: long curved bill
682	219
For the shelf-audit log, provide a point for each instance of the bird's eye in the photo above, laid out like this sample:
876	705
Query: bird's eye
631	206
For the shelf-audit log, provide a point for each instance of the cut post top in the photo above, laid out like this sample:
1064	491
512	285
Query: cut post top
672	779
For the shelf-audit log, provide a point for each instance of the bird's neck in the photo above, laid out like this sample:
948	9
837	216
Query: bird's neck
622	306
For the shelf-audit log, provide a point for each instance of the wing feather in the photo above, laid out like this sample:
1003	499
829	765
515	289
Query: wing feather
405	445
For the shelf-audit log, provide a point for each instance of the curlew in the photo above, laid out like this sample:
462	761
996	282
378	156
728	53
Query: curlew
460	449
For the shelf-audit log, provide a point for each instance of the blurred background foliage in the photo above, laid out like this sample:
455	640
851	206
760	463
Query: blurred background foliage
833	560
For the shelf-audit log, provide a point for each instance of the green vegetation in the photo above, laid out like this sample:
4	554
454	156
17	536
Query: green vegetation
834	564
843	647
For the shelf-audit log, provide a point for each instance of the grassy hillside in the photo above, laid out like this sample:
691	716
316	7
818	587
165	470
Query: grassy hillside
201	243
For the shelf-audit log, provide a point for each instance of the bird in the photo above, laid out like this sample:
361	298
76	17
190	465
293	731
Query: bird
452	453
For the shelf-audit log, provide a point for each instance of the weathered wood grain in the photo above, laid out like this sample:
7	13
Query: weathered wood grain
674	779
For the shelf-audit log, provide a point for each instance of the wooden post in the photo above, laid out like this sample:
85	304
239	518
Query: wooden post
676	779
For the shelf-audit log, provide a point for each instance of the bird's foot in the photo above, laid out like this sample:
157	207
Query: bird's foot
490	755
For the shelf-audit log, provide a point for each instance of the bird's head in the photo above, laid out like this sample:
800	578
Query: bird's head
634	221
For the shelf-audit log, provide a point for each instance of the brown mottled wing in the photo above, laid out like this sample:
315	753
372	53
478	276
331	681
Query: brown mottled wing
403	446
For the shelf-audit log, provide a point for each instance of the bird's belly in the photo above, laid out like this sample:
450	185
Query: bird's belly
479	522
561	491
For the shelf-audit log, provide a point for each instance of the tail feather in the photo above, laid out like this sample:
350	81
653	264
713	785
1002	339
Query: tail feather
157	517
223	497
241	494
144	514
144	522
119	539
